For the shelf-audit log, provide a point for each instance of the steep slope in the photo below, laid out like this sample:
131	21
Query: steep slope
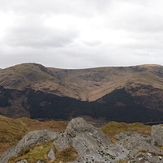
126	94
116	106
25	75
91	84
37	77
84	84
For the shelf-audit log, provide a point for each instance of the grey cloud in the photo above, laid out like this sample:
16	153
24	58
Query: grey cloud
40	36
47	7
140	23
136	17
92	43
79	57
137	24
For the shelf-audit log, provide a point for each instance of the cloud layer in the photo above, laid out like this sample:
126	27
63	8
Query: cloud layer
81	33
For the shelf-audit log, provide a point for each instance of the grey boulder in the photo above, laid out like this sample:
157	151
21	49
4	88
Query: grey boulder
32	138
157	135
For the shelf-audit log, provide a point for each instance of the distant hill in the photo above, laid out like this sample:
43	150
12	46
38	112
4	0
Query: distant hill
127	94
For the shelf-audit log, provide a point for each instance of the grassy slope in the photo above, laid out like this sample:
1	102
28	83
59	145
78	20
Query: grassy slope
100	81
86	84
12	130
25	75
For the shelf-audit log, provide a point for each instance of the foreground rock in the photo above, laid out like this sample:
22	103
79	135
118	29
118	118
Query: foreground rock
93	145
139	147
33	137
90	142
157	135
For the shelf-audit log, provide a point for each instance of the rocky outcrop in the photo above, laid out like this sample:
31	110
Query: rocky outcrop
33	137
94	146
91	143
135	143
157	135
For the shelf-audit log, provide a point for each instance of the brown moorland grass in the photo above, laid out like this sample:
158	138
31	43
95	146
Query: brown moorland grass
12	130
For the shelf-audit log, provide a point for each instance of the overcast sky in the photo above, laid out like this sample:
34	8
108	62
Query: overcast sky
81	33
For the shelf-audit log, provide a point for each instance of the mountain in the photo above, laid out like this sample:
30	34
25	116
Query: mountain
127	94
82	142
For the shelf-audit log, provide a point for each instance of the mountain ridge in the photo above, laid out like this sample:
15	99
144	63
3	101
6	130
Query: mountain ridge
84	84
35	91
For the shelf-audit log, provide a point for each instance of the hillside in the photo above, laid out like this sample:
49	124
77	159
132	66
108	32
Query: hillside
128	94
12	130
83	84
